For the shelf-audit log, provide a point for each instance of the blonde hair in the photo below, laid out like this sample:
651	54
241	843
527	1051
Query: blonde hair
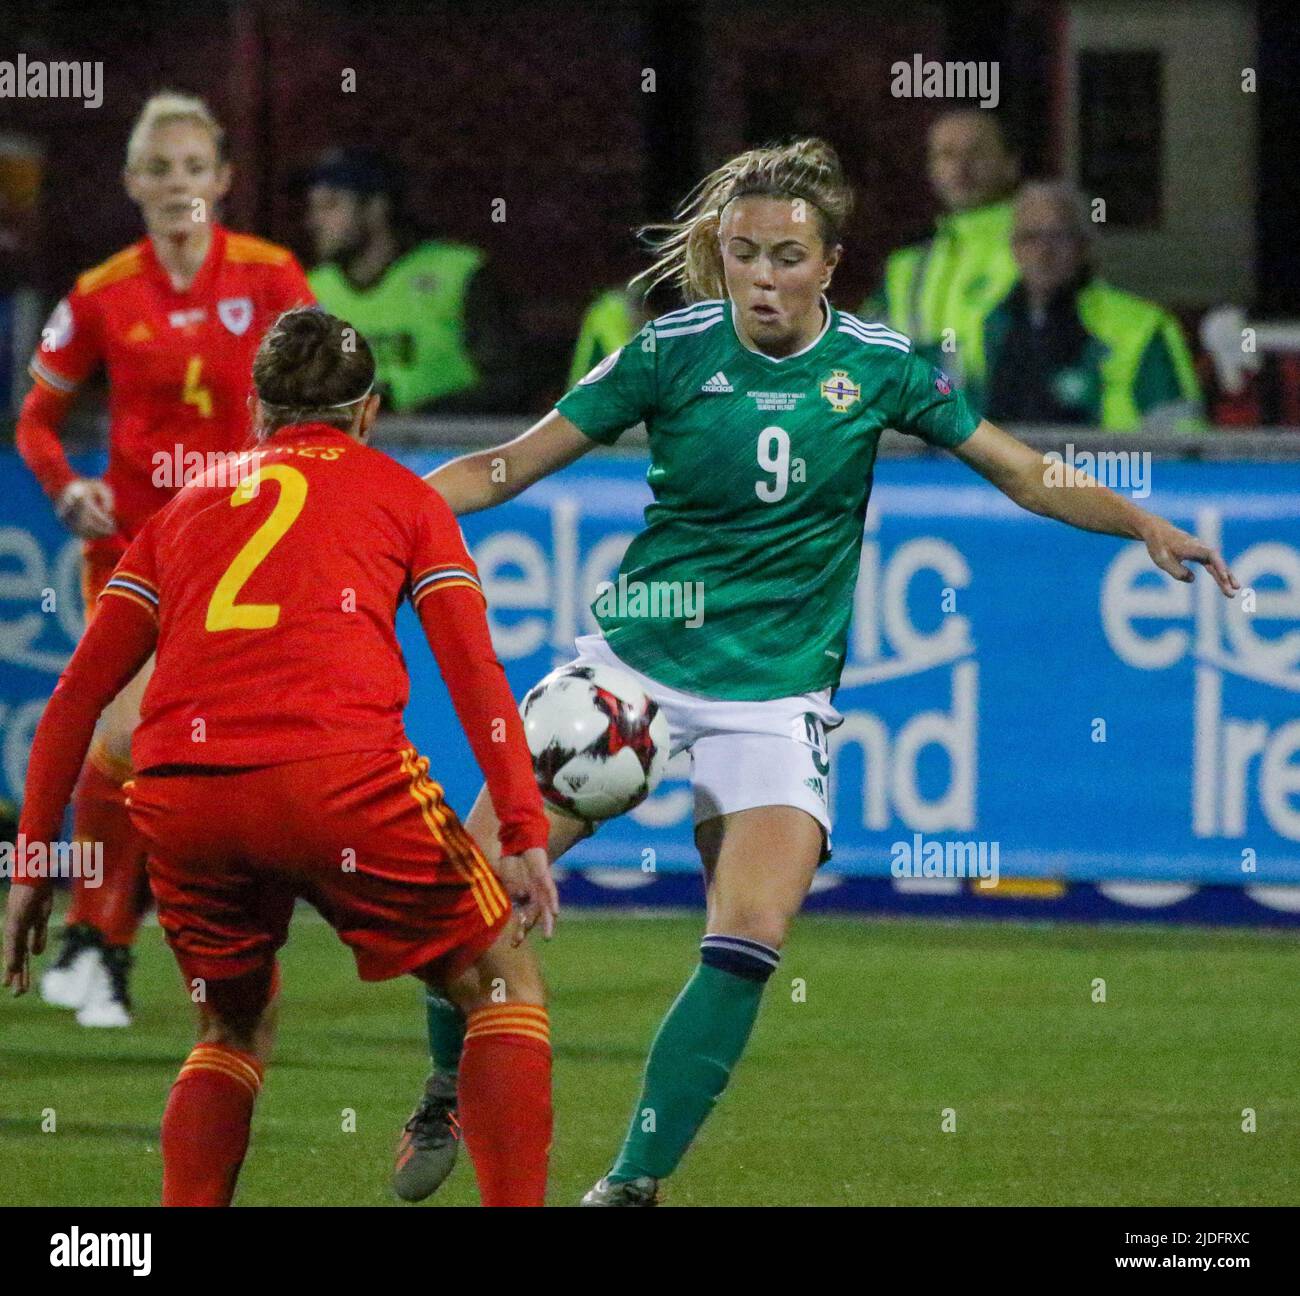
687	251
166	107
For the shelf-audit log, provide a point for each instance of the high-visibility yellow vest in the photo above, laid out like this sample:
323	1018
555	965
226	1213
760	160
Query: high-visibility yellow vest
608	324
413	318
950	282
1126	325
1123	329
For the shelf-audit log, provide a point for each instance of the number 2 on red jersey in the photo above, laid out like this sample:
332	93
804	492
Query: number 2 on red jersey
223	612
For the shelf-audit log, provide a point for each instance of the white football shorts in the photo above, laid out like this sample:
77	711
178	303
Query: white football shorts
743	754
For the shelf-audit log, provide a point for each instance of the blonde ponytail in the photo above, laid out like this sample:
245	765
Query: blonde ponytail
686	249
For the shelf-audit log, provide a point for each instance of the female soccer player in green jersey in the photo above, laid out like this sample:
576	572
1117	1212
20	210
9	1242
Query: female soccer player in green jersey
764	406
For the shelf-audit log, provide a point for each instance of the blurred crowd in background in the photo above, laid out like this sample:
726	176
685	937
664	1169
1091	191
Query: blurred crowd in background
471	204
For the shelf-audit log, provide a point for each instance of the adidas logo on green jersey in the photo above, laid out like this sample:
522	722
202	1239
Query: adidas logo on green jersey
718	383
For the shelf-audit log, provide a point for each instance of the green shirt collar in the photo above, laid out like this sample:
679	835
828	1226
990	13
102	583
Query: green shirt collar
794	355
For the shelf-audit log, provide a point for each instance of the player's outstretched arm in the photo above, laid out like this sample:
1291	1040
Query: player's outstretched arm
1020	473
120	639
455	624
487	477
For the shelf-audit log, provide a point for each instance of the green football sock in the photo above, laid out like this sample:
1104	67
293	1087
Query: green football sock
446	1034
698	1045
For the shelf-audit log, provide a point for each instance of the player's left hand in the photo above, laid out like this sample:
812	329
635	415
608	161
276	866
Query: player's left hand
27	922
1171	547
531	888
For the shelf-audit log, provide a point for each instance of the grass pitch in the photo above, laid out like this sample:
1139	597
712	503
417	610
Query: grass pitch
870	1033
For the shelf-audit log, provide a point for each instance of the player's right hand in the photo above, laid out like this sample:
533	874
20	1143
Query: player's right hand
531	888
86	508
27	920
1172	548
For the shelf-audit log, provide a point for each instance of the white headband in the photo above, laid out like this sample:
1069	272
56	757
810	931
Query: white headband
356	400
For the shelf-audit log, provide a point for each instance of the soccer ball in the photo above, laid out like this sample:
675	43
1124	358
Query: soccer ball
599	744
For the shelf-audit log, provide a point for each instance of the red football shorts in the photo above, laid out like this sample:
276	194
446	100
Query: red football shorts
365	837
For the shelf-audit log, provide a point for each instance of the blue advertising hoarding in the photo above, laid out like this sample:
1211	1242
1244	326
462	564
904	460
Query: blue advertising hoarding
1009	681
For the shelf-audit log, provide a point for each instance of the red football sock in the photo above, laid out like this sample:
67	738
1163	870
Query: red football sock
115	907
205	1126
505	1102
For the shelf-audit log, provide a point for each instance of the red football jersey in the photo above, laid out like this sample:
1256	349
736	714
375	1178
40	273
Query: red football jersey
270	604
179	363
319	543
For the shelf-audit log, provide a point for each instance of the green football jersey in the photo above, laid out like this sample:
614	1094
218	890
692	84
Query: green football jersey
741	585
